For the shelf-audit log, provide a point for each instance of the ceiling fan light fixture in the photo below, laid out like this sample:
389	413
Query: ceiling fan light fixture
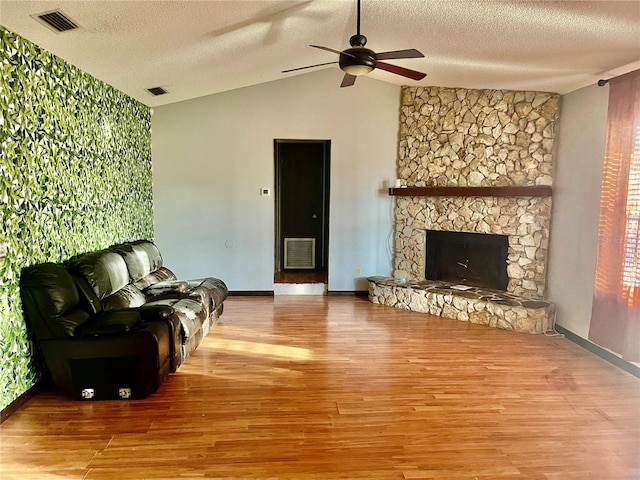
357	70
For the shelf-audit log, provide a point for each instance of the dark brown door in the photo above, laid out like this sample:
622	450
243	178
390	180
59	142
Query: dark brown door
302	196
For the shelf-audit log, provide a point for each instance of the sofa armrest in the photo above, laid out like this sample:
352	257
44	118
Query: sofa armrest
145	350
167	289
155	312
109	323
166	314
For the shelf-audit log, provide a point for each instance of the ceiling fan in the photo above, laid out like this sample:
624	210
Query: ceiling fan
359	60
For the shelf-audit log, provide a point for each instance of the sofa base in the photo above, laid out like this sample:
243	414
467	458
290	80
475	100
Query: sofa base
113	378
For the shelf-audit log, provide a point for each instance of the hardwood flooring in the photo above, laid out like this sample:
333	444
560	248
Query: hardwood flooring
307	387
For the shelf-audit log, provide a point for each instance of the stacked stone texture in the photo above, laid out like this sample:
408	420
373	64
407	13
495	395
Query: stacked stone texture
460	137
493	310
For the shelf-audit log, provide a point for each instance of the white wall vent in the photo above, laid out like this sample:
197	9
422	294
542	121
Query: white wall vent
299	253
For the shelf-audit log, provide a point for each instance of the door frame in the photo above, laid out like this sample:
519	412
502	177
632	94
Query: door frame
326	167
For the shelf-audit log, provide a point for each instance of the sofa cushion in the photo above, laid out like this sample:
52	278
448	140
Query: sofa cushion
72	321
52	287
154	258
152	252
127	297
160	275
50	295
105	271
191	314
167	288
137	259
88	299
192	317
215	287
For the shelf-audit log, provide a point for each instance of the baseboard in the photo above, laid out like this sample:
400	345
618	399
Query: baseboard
599	351
251	293
19	402
270	293
348	293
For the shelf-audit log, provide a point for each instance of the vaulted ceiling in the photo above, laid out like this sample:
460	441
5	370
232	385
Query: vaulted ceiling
200	47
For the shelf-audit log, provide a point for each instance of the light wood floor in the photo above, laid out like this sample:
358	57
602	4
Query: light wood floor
339	388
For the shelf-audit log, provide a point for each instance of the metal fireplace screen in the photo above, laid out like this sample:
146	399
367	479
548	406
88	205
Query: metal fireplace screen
475	259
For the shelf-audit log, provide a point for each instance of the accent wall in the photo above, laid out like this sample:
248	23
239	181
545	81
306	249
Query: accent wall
75	176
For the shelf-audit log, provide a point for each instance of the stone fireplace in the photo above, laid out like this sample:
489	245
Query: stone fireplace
477	138
458	142
525	221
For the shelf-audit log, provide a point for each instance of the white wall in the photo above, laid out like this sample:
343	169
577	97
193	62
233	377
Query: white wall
211	156
576	203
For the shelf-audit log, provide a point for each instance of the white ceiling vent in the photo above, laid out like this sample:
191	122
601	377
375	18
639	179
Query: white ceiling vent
299	253
56	21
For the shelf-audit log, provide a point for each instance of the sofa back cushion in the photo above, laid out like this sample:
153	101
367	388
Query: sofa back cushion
105	272
142	258
153	253
50	300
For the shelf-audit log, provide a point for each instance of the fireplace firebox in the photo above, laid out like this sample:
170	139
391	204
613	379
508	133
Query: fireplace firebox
474	259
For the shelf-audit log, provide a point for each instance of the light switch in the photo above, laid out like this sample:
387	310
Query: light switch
265	192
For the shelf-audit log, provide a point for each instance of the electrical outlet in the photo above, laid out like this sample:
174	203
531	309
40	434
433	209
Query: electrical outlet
358	271
4	249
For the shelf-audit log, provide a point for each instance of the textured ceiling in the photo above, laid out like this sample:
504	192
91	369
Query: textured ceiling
194	48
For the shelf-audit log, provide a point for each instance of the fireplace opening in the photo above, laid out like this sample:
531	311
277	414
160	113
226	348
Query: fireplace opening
474	259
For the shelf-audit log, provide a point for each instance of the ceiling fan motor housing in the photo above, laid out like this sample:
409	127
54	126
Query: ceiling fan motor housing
358	56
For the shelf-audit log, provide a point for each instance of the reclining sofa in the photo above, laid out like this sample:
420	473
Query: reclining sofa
114	323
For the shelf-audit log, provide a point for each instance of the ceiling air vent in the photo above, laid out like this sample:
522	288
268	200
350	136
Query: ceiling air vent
155	91
57	21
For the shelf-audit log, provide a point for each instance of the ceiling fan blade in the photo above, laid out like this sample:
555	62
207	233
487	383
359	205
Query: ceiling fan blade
409	53
310	66
405	72
326	48
348	80
332	50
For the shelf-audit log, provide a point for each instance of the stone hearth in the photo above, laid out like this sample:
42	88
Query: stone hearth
469	304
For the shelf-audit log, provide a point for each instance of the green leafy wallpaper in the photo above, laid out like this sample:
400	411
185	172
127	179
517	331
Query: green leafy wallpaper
75	176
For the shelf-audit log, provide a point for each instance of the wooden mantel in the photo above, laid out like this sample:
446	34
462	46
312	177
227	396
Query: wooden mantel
524	191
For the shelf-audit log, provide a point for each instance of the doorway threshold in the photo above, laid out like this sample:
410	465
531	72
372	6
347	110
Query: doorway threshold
299	288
